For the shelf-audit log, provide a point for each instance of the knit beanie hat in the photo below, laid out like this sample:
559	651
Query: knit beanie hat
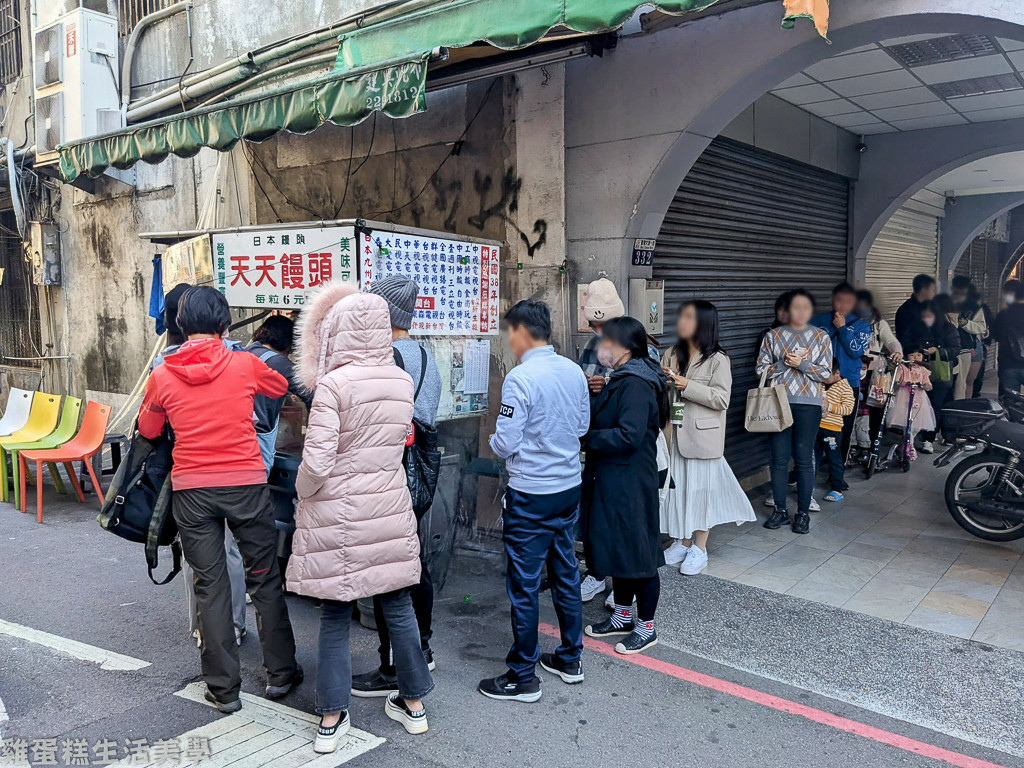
400	293
603	302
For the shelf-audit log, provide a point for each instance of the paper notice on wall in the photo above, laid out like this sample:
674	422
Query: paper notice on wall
477	364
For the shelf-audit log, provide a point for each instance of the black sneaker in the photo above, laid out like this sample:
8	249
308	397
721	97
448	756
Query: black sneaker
609	627
327	738
635	643
503	688
778	519
227	707
371	685
802	523
280	691
413	722
570	673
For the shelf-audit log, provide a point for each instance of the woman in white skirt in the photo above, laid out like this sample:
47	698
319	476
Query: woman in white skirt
703	492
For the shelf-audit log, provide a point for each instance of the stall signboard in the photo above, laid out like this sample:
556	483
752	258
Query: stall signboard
278	268
189	261
458	279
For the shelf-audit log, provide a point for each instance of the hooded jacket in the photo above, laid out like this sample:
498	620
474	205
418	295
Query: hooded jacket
355	532
205	392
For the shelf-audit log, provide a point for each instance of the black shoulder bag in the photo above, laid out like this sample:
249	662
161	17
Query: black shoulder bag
137	506
422	459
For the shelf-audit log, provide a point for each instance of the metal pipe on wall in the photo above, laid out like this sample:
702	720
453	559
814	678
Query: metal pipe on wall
242	67
133	41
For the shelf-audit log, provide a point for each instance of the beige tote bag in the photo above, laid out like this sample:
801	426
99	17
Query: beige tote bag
767	408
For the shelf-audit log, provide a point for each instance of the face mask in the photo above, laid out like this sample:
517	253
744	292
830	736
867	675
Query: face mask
928	321
607	358
1010	299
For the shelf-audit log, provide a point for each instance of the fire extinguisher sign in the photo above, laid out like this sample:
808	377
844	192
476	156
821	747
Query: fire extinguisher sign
71	41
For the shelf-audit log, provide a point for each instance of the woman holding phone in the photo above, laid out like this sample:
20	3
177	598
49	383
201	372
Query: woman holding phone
703	491
799	356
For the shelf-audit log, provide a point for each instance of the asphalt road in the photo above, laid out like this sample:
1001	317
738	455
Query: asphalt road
742	677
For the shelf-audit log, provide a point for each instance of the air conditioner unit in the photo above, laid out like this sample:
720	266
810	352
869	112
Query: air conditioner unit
75	76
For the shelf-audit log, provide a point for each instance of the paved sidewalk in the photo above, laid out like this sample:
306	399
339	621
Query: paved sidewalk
891	550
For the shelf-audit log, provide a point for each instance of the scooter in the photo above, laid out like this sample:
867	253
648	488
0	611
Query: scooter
875	463
985	490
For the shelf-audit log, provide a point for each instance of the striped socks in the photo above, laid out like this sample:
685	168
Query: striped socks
644	629
623	616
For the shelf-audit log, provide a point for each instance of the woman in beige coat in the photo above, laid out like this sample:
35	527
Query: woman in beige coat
703	491
355	532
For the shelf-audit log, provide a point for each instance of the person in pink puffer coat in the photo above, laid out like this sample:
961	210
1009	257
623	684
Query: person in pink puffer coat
355	531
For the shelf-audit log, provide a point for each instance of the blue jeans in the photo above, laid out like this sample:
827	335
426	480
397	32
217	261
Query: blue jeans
795	443
334	660
538	529
268	444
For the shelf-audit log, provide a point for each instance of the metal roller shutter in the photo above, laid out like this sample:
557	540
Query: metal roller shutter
746	225
908	245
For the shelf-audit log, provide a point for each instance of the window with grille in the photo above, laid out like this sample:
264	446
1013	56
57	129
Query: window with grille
130	11
10	41
19	311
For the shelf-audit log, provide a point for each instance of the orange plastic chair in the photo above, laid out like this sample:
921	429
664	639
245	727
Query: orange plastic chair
82	447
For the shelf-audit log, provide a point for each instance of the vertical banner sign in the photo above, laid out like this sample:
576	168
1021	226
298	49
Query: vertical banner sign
458	280
278	268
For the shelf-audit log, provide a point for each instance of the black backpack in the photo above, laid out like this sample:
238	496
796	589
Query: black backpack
137	506
422	459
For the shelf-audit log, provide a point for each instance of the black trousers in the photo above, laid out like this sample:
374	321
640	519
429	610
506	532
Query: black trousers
200	514
422	595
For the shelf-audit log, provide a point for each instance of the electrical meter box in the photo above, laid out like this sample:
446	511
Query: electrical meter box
646	302
44	244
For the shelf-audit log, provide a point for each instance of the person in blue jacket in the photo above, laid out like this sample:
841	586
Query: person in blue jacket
545	410
850	337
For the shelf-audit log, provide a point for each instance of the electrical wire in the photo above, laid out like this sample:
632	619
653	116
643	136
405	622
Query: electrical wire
259	184
456	146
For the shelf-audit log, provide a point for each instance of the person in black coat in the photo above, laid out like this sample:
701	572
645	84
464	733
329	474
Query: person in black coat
936	338
620	519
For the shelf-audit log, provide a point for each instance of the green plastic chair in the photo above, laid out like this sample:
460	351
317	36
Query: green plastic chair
65	430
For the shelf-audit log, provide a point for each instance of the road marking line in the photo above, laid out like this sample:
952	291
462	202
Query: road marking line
106	659
783	705
265	733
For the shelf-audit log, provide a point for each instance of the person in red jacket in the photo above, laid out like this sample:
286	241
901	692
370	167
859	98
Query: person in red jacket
205	393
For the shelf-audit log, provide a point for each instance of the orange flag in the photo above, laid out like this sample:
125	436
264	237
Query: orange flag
815	10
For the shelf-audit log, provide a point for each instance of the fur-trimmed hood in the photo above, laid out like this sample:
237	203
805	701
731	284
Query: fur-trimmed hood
341	326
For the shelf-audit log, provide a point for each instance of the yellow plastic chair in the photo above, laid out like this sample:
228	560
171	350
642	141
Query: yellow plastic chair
65	430
41	422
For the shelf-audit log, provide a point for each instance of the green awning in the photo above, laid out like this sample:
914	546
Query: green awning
345	98
503	24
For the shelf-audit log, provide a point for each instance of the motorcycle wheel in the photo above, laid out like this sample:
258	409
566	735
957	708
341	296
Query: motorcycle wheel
965	482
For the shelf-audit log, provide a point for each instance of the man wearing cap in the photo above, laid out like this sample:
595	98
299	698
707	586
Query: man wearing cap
400	293
603	304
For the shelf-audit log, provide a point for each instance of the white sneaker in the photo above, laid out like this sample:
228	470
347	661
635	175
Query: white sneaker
927	446
609	603
815	506
695	562
676	553
769	501
591	588
327	738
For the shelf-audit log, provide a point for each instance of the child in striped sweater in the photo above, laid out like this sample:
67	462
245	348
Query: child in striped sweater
839	402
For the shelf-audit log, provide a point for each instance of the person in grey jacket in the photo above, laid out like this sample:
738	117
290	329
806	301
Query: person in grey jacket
545	410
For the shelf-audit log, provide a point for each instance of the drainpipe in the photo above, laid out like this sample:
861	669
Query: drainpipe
262	77
12	178
133	42
242	67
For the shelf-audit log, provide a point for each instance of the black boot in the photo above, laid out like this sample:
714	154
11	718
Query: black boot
778	519
802	523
